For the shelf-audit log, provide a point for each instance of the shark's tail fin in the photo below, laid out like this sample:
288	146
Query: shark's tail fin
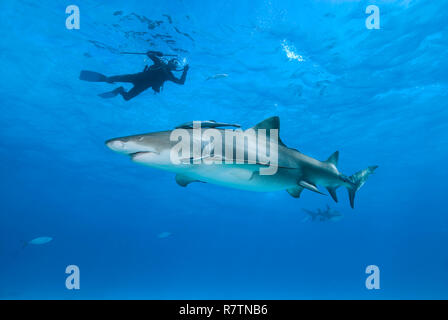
358	180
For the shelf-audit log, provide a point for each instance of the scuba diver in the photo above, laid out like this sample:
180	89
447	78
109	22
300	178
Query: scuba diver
151	77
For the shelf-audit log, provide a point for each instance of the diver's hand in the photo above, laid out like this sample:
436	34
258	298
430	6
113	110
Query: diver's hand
152	53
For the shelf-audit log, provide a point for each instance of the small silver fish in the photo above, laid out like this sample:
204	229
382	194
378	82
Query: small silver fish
38	241
164	235
218	76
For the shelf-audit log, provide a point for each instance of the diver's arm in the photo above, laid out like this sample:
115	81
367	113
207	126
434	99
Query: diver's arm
154	56
182	78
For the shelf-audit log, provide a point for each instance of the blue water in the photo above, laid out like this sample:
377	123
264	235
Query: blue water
377	96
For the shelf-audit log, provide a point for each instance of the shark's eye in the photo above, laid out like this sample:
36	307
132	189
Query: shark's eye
124	139
140	138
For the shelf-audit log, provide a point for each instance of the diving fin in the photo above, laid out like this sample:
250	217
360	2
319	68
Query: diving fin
111	94
92	76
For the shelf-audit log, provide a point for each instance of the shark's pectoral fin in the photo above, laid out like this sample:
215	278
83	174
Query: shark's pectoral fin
295	192
332	192
184	181
310	186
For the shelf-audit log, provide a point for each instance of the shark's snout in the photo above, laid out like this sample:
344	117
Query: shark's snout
116	145
127	145
136	147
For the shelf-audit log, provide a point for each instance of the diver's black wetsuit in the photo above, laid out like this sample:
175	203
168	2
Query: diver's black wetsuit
151	77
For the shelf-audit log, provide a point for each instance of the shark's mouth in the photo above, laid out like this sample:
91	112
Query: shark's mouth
141	154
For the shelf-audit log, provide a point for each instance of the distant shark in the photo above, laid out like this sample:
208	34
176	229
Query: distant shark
294	173
326	214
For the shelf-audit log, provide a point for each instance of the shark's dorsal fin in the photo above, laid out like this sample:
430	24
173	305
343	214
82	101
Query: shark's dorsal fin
268	124
333	159
184	181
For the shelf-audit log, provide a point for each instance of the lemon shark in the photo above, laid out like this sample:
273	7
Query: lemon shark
294	171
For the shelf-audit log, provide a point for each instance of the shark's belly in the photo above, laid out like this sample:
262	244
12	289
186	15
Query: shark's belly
242	178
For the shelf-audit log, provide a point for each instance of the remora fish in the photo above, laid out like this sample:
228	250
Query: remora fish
207	124
295	172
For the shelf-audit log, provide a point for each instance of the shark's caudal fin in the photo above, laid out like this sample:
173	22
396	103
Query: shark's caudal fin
358	180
